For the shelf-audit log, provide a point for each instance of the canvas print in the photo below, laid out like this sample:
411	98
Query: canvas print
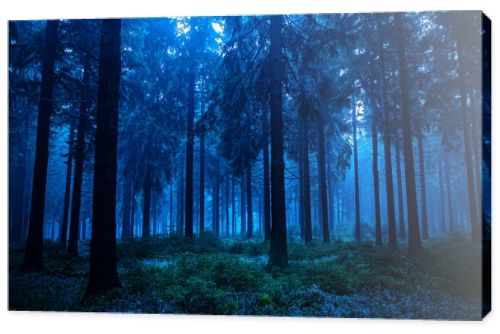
320	165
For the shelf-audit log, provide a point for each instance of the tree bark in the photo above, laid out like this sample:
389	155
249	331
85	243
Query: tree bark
233	208
414	242
226	197
376	190
468	150
391	216
146	191
401	216
67	190
278	254
423	192
357	227
249	202
189	156
79	158
171	231
202	183
266	186
306	181
243	224
33	256
103	274
323	191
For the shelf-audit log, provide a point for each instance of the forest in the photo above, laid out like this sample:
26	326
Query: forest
329	165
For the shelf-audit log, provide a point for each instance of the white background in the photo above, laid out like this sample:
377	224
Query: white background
71	323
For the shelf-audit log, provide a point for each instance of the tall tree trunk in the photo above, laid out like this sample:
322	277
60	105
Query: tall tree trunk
306	181
33	256
401	216
103	274
171	231
468	150
202	183
249	202
423	192
357	227
278	254
389	187
153	212
266	186
227	205
376	190
79	158
323	191
132	214
414	242
331	196
301	189
233	208
243	212
189	156
67	189
146	202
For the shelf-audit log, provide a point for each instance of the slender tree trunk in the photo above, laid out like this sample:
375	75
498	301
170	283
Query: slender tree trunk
103	274
132	214
423	192
147	202
302	215
202	183
33	256
227	205
323	191
401	216
67	190
376	191
266	186
331	197
414	242
249	202
278	254
233	208
171	209
391	216
189	156
153	214
243	224
306	182
357	227
468	150
79	158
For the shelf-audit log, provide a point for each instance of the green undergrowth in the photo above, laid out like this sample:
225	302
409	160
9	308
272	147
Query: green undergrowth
209	276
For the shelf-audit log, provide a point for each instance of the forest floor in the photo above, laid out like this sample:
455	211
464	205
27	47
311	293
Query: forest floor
207	276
